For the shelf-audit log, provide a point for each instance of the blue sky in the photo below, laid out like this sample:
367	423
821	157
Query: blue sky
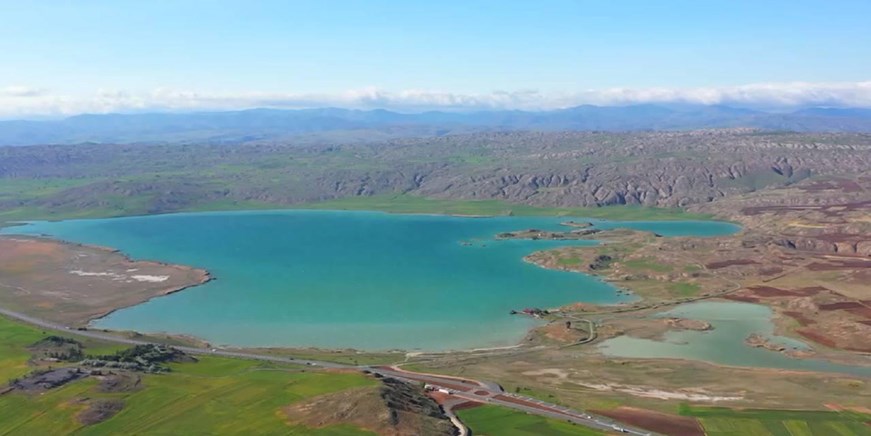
70	56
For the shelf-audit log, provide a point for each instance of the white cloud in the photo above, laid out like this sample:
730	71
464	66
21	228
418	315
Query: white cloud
20	101
18	91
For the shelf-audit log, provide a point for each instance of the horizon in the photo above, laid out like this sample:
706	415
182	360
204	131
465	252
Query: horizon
122	57
676	107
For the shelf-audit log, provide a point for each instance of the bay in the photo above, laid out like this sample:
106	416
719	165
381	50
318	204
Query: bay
339	279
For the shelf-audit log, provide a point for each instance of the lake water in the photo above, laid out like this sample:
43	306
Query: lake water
364	280
733	322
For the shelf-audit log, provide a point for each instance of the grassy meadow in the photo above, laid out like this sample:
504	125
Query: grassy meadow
413	204
130	205
721	421
499	421
212	396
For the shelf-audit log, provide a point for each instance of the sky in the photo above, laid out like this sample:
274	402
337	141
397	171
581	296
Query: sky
68	57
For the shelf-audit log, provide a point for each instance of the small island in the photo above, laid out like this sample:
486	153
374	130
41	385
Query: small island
577	224
688	324
759	341
536	234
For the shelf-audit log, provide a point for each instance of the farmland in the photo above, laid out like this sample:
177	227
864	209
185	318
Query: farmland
205	397
498	421
729	422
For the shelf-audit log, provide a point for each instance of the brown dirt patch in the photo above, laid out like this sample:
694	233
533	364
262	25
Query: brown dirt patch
817	337
819	266
73	284
840	305
557	331
839	264
48	379
99	411
863	311
725	263
742	298
812	290
119	382
466	405
395	409
656	421
768	291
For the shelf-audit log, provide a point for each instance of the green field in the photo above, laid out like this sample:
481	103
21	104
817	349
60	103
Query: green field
684	289
14	338
413	204
729	422
499	421
568	261
212	396
116	206
648	264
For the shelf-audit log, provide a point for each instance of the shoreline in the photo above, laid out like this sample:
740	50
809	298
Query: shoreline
205	277
519	347
578	213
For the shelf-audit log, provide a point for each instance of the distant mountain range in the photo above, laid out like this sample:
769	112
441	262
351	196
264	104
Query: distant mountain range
360	125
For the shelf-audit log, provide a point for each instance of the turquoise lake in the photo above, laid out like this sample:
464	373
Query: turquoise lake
732	323
336	279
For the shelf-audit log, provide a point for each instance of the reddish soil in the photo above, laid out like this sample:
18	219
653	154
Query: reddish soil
656	421
439	397
466	405
742	298
810	290
817	337
768	291
841	305
725	263
840	264
832	210
482	393
853	307
863	311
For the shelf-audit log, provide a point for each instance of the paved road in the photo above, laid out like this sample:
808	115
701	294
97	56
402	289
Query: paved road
190	350
483	392
473	390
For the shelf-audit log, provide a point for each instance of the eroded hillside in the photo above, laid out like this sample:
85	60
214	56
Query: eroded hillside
555	169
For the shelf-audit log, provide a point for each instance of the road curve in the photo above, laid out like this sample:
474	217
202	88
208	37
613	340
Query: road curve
481	392
472	390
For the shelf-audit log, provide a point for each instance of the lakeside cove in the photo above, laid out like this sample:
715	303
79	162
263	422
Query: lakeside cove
405	281
422	326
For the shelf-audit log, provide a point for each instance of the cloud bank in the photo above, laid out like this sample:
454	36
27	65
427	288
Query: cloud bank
23	101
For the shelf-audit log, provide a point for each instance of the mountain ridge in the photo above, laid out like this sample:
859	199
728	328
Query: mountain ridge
361	125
